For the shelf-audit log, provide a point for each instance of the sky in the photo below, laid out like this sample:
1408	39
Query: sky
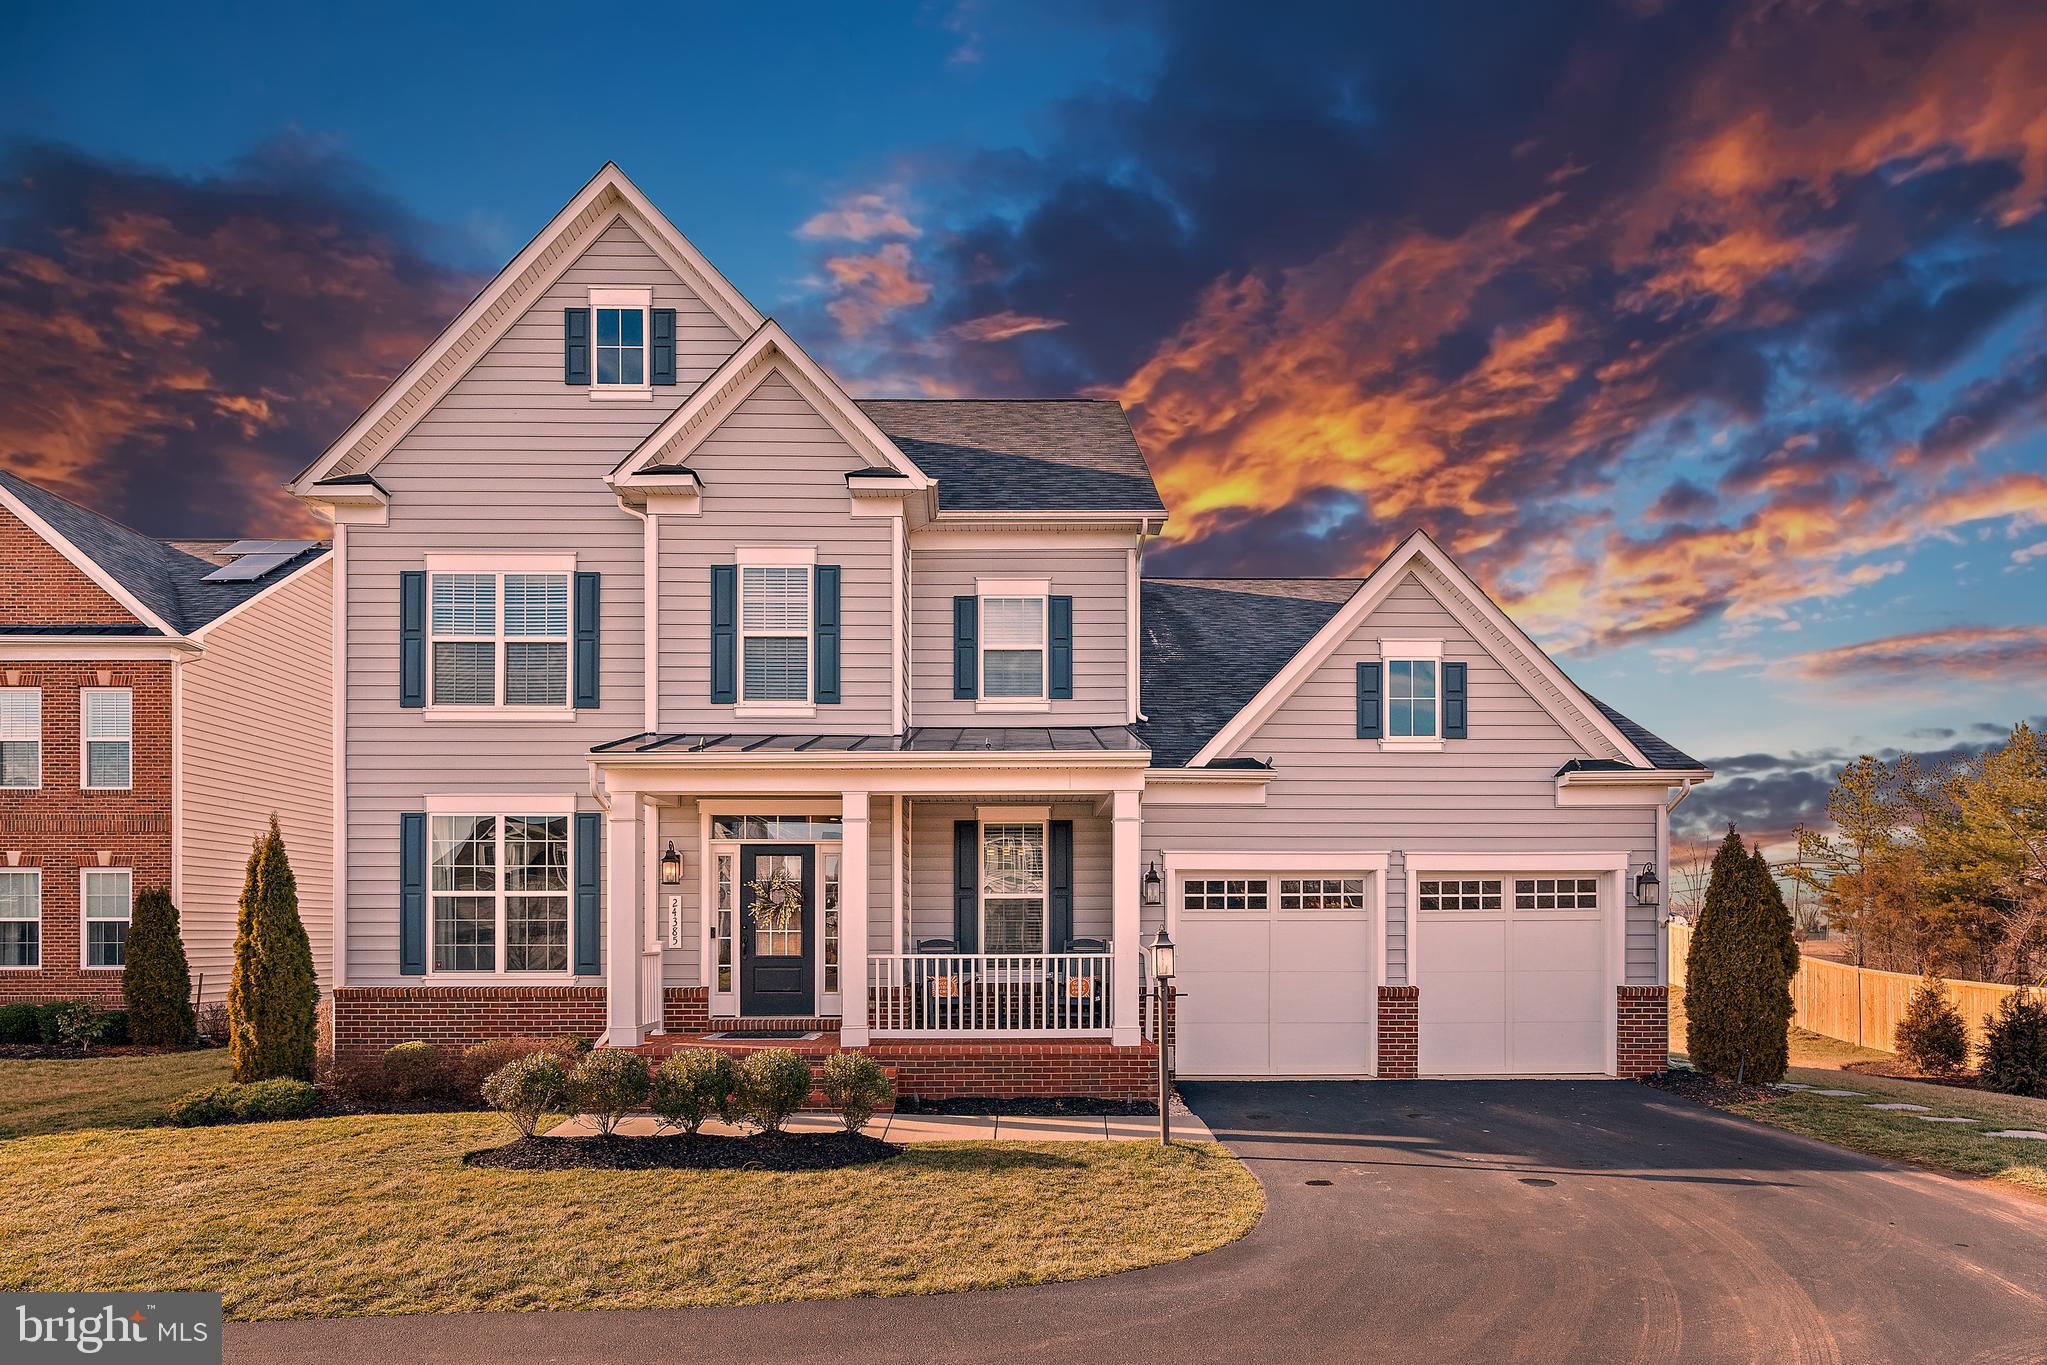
1711	337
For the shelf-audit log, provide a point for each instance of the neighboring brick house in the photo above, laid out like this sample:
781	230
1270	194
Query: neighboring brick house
157	702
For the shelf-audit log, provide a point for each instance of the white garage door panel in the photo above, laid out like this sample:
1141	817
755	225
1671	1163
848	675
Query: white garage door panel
1311	943
1452	997
1221	1049
1335	1049
1557	1049
1226	997
1555	945
1466	945
1223	945
1463	1048
1321	998
1557	997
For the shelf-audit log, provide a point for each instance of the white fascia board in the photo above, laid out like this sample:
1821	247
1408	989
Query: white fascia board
768	350
248	603
84	563
1368	597
676	250
82	648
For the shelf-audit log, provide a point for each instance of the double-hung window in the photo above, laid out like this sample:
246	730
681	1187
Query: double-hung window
499	639
1013	886
1412	696
108	896
1013	640
618	320
21	917
775	632
106	728
21	737
500	886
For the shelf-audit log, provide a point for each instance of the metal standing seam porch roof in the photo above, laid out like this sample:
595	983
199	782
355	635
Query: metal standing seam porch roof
1073	740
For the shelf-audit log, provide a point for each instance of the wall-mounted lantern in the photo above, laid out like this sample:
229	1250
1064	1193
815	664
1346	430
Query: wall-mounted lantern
671	866
1154	886
1647	886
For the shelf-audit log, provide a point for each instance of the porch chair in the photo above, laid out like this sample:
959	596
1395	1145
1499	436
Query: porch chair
1078	992
942	990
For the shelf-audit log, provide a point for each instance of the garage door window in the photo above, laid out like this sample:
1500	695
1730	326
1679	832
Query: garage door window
1322	893
1226	893
1556	893
1480	894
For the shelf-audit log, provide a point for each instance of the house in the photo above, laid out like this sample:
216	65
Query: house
685	694
158	702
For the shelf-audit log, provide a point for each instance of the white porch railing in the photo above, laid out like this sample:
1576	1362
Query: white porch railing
969	995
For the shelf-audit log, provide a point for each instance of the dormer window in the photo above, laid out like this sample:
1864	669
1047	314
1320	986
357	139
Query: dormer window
619	338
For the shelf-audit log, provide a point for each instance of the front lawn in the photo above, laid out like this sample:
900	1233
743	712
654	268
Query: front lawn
101	1092
377	1214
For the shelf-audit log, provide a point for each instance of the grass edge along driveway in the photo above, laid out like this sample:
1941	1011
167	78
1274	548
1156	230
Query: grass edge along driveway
344	1216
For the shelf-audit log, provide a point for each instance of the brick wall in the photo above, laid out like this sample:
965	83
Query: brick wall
1399	1032
62	828
372	1018
1001	1070
40	587
1642	1023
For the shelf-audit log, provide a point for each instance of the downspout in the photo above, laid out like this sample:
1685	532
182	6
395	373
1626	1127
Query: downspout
1663	870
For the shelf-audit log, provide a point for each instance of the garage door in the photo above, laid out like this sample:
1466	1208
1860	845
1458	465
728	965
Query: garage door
1277	971
1512	972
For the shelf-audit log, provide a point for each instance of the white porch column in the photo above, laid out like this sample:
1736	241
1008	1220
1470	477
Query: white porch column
853	920
624	938
1126	890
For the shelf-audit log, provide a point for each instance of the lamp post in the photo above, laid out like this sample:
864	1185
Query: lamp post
1162	973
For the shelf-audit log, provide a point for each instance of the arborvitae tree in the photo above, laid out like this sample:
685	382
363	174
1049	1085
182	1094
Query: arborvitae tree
156	983
273	994
1738	973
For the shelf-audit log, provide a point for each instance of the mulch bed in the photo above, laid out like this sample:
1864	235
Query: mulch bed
334	1105
1704	1089
51	1052
705	1152
1028	1107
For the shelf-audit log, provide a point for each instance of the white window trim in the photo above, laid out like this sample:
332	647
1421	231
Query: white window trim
37	785
624	296
990	816
775	557
86	739
1424	651
543	806
1041	589
37	873
501	565
1183	865
86	874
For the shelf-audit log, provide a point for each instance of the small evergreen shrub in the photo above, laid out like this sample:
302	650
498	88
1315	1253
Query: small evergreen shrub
1738	973
238	1102
20	1024
480	1061
1933	1036
773	1084
607	1085
692	1086
525	1089
856	1086
116	1030
2015	1046
75	1023
272	996
156	983
46	1019
418	1071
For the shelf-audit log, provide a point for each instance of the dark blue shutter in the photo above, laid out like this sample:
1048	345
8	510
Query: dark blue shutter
966	884
661	346
575	346
725	632
1059	633
1061	885
587	589
412	894
589	876
1456	709
825	602
1368	701
412	638
966	647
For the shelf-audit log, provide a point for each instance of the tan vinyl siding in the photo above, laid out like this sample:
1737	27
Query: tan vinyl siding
509	460
1096	578
258	737
930	891
1494	792
774	474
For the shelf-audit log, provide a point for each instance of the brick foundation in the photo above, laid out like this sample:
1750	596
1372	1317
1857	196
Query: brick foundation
686	1009
1642	1026
1399	1032
1001	1070
369	1019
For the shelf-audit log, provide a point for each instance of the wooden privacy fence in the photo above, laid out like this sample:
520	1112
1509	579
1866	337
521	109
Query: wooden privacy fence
1856	1004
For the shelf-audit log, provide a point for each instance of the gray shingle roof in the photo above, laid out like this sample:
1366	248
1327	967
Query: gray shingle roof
1021	455
165	579
1209	645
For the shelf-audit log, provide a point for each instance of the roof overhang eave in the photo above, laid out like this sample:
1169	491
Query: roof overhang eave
1634	777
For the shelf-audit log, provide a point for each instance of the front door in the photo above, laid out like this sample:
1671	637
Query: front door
777	929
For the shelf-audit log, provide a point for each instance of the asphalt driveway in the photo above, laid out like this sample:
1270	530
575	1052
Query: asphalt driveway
1547	1221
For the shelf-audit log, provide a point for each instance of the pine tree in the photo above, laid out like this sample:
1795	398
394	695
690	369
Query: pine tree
1738	973
273	993
156	984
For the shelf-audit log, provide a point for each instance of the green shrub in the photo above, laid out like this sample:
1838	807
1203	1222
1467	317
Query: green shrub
237	1102
273	995
76	1023
156	983
115	1029
20	1024
419	1071
773	1084
526	1088
1738	973
692	1086
480	1061
2015	1046
857	1086
47	1015
1933	1036
607	1085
